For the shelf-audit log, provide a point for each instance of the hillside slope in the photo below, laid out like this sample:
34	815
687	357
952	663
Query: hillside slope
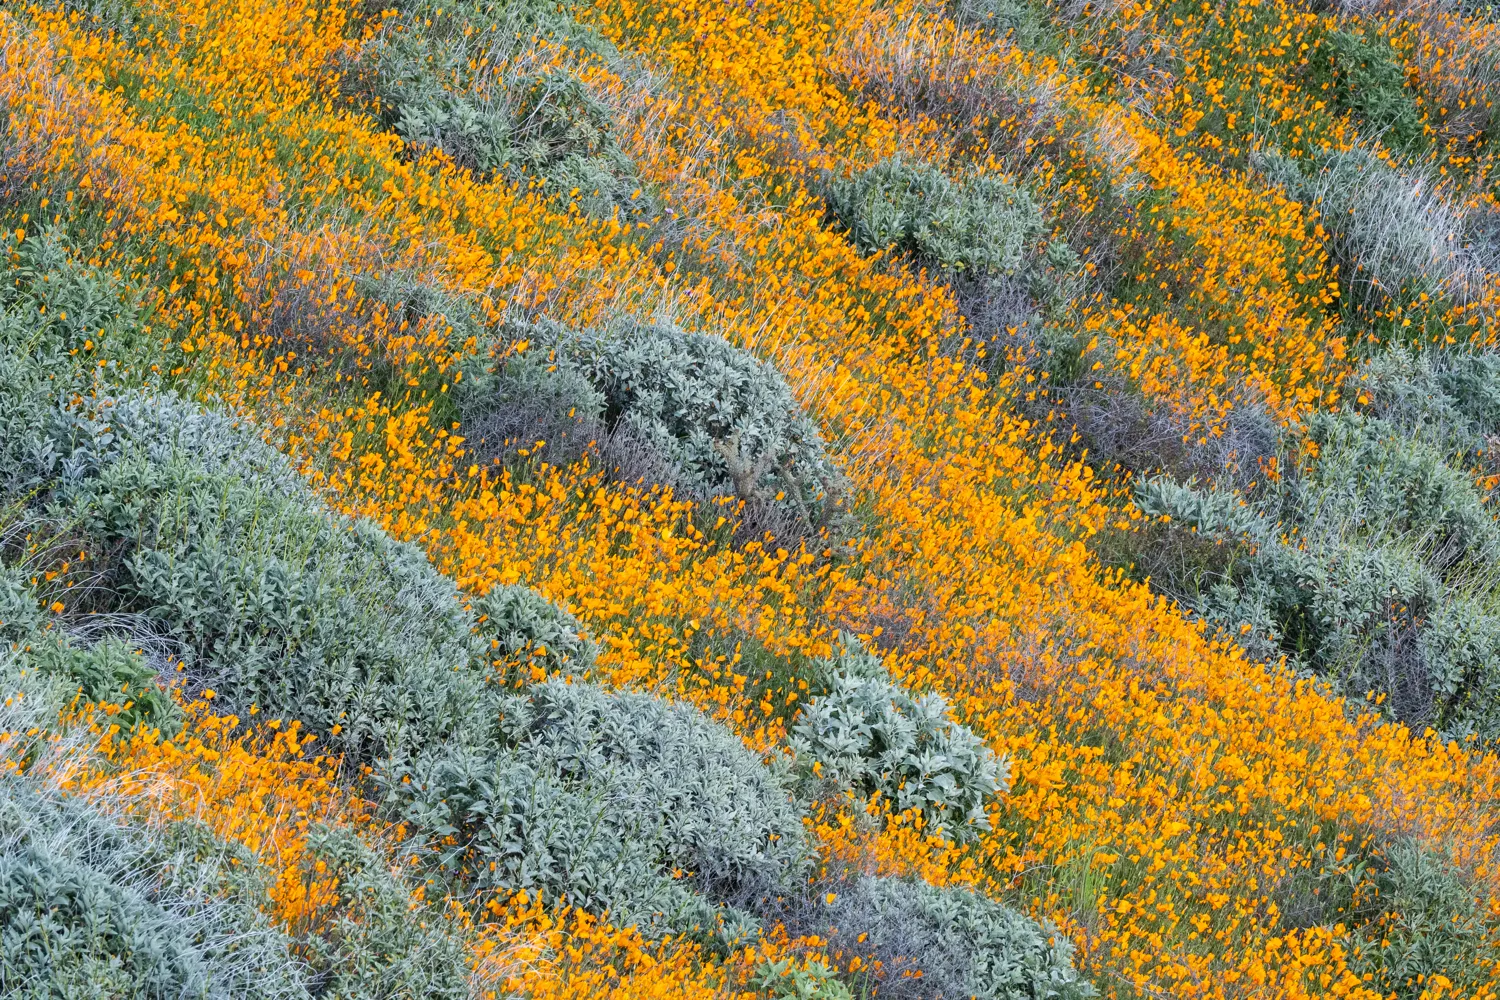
770	499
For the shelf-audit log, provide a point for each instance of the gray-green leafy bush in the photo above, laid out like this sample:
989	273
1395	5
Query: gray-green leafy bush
869	734
94	903
206	540
1370	559
1366	77
1389	229
787	980
1019	21
455	77
1426	917
725	422
525	628
112	672
1407	909
274	601
375	941
617	801
983	225
91	906
983	233
671	407
937	943
21	617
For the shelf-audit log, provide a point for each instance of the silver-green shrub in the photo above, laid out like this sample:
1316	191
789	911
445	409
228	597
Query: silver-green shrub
1424	917
1365	76
274	601
661	406
446	76
871	735
617	801
1370	561
525	627
20	615
92	907
110	672
376	941
938	943
981	233
787	980
983	225
206	543
718	420
1018	20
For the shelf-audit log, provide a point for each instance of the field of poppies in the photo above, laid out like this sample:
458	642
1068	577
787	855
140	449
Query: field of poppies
817	499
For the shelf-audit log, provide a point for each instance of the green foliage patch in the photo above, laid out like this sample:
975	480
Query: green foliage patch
616	801
869	734
669	407
1370	559
89	906
942	942
453	77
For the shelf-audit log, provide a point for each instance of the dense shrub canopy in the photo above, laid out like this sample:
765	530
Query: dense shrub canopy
871	735
984	225
725	422
1372	562
89	906
933	943
665	406
601	797
529	630
543	125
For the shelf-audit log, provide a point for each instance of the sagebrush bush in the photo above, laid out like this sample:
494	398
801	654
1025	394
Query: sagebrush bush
786	980
725	422
1021	22
274	601
92	907
527	630
112	672
981	233
617	801
1407	912
1425	917
940	943
1365	77
1370	560
205	541
983	226
378	939
869	734
663	406
20	615
443	76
